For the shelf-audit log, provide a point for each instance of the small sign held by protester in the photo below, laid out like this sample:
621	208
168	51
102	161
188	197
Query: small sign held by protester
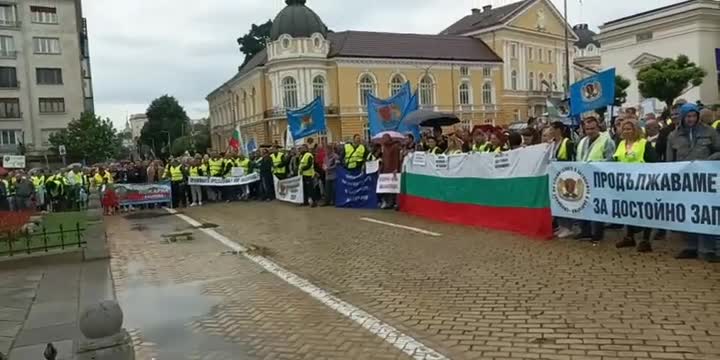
13	161
372	167
419	159
388	184
441	162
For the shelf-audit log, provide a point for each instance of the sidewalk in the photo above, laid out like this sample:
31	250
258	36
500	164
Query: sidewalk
41	299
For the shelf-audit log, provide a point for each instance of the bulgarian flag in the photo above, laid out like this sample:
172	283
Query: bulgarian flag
507	191
236	140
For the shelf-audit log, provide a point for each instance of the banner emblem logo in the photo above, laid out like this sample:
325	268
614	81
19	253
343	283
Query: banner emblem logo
571	190
592	91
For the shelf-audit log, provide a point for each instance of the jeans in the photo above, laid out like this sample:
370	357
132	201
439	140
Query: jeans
703	244
196	192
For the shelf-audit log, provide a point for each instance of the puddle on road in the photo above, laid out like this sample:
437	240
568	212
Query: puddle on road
163	315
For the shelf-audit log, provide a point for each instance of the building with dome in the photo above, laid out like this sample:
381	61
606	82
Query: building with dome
460	70
587	48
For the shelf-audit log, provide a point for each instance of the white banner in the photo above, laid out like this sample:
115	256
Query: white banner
290	190
682	196
388	184
14	161
237	172
219	181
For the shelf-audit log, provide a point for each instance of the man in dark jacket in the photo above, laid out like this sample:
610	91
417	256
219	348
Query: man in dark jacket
693	140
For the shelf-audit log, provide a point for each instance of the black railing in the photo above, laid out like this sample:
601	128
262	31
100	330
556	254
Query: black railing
27	242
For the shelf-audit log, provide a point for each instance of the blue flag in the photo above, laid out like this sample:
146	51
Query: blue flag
355	190
386	115
250	146
404	128
592	93
307	121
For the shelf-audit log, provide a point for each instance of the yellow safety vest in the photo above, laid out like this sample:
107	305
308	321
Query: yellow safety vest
108	177
79	179
307	160
176	174
454	152
98	179
245	165
277	160
38	181
482	148
597	149
716	124
354	155
562	153
435	150
205	168
194	171
216	167
636	155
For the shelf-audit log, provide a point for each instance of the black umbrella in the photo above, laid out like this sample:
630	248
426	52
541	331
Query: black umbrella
431	118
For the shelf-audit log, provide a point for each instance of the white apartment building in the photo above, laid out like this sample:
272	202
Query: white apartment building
689	27
45	77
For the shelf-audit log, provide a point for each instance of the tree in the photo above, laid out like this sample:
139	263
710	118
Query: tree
621	85
255	40
668	79
198	141
88	138
167	120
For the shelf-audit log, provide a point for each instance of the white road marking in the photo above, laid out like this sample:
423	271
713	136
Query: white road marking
426	232
387	332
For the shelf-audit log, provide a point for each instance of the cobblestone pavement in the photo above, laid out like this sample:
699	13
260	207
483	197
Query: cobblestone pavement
194	300
477	294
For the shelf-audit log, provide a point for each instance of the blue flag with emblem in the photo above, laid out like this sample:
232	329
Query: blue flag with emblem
250	146
387	115
589	94
308	120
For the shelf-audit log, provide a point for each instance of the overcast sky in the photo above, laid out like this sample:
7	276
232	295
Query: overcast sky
142	49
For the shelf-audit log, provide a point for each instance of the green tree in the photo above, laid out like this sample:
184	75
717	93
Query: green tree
621	85
167	120
668	79
88	138
255	40
198	140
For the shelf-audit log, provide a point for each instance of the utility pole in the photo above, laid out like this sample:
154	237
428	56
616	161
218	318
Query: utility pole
567	51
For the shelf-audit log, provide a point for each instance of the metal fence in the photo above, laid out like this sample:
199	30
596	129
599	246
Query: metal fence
44	240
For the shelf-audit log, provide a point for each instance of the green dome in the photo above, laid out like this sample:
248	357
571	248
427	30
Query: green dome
297	20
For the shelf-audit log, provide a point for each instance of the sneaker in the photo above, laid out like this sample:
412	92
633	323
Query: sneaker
710	257
563	233
626	242
200	203
644	247
687	254
193	205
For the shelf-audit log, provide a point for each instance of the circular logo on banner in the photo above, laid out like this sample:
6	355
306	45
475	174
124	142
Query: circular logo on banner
592	91
571	190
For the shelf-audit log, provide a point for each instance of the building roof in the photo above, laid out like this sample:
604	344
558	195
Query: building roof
585	36
649	12
365	44
297	20
484	18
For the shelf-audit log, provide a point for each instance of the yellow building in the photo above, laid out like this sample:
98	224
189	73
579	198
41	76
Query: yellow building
303	60
530	37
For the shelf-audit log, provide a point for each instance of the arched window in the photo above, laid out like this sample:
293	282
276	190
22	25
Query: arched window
487	93
244	105
426	91
366	86
318	86
531	81
541	78
513	80
290	93
252	101
396	83
464	93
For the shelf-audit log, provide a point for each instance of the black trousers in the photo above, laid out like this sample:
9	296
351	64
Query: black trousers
630	232
176	194
330	191
309	191
595	229
267	187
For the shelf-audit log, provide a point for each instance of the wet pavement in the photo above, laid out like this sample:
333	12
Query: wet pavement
477	294
193	299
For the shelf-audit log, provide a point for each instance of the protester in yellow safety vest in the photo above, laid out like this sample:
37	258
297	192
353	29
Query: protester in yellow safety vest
454	146
107	176
354	154
564	149
177	177
307	170
243	163
480	143
497	141
216	165
634	149
432	147
716	124
196	169
279	163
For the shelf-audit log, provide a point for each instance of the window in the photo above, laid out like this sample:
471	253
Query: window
487	93
244	104
513	80
366	87
316	42
7	47
52	105
252	101
644	36
9	137
49	76
426	91
541	55
290	94
541	78
319	87
285	43
551	81
531	53
531	81
464	71
590	48
513	50
46	45
44	15
464	93
8	77
9	108
487	72
8	15
550	56
396	84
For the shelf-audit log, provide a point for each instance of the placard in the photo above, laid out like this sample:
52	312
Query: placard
14	161
389	184
441	162
419	158
372	167
289	190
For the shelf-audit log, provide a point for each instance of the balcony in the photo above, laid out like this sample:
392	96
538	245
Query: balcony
8	54
10	24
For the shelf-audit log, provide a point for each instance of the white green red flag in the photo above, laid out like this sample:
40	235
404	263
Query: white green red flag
236	140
